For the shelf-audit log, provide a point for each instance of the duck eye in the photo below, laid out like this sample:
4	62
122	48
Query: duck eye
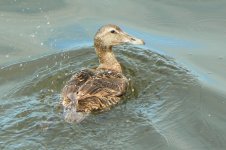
113	31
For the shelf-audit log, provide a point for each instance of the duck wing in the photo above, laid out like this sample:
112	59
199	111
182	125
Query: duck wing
102	91
72	86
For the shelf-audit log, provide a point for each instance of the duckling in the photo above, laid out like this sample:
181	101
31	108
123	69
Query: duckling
96	90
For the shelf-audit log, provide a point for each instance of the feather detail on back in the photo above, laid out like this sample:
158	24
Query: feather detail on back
94	90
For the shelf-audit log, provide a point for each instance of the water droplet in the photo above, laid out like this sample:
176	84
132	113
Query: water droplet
21	65
48	23
38	26
209	115
32	35
41	44
37	75
7	56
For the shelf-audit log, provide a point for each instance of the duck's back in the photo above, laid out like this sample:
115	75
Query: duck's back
94	90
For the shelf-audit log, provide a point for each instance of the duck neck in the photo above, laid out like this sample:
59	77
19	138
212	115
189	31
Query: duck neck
107	58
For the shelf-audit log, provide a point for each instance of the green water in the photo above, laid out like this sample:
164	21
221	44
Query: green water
177	97
159	90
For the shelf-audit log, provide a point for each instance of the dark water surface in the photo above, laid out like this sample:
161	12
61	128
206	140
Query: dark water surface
176	99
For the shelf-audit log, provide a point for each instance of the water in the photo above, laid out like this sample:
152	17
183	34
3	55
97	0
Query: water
177	97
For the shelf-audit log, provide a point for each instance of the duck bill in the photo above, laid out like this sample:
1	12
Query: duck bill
132	40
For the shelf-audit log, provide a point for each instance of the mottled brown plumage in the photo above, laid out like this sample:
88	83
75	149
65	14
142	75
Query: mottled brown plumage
98	89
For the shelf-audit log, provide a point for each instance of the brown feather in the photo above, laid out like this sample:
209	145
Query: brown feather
94	90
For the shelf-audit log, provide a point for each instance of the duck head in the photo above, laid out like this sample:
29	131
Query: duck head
111	35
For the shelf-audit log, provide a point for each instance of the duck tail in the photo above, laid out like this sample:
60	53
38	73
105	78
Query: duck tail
72	116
